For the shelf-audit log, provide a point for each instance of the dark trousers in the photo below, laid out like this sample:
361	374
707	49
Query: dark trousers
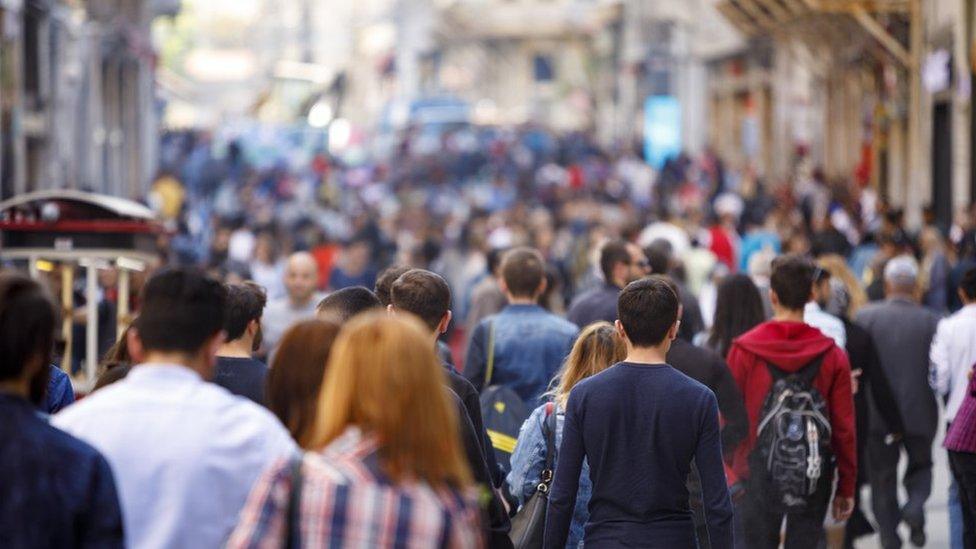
963	467
884	484
762	527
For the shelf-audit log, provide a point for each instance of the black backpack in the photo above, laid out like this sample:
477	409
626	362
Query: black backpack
502	410
792	460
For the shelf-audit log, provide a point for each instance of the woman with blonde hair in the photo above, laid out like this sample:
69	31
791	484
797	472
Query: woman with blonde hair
390	471
597	348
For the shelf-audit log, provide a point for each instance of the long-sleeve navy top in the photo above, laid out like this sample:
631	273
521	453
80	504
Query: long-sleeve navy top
642	427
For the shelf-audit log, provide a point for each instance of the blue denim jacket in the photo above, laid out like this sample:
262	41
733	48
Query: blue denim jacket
530	347
528	461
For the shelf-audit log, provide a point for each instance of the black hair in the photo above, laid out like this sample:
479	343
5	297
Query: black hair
792	280
349	302
181	309
424	294
384	282
968	283
493	259
659	256
613	252
738	309
523	270
647	309
245	302
27	321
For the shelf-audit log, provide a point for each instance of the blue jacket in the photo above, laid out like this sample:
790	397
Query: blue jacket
528	461
59	391
530	346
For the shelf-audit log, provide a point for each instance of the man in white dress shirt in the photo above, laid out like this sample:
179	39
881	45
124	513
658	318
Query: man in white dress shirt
184	452
814	314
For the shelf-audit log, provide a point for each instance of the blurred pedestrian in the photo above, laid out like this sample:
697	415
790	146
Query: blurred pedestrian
961	443
342	305
903	331
55	490
771	363
487	297
639	425
814	315
236	369
184	451
597	348
299	303
738	309
390	471
621	263
295	377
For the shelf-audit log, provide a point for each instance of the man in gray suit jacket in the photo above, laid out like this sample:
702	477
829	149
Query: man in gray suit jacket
902	331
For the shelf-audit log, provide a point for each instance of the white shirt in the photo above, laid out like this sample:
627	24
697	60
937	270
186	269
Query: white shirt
952	356
184	452
828	324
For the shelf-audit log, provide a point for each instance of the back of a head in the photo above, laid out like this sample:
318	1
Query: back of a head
383	377
27	322
901	274
792	280
596	348
295	378
180	310
493	259
346	303
424	294
968	284
384	282
738	309
659	256
245	302
613	252
523	270
647	308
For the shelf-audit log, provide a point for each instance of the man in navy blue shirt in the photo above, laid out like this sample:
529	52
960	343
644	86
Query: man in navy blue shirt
236	369
55	490
642	426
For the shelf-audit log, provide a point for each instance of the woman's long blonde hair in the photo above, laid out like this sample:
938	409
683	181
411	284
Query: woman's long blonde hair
597	348
384	378
837	267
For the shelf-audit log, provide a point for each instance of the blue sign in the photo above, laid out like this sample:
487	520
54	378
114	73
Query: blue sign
662	129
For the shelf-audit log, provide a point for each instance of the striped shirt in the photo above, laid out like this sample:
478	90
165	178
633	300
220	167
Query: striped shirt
347	501
961	436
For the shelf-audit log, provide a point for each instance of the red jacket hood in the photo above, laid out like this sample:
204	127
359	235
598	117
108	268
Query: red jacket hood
789	345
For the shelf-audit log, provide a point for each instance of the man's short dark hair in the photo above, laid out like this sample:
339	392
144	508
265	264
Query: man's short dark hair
647	308
659	256
384	282
792	280
968	283
613	252
348	302
493	259
181	309
523	270
424	294
245	302
27	321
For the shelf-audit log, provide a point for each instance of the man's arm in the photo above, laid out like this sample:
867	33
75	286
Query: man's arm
101	523
562	496
842	422
476	359
716	502
884	395
940	374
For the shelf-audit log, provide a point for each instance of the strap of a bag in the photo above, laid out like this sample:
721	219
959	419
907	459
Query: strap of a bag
293	521
549	432
805	374
490	368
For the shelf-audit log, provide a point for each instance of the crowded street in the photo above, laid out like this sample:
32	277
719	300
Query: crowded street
479	273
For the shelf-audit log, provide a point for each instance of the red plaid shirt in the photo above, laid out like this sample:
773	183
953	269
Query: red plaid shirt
346	501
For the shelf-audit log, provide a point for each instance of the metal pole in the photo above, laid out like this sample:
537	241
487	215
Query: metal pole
122	316
91	328
914	184
68	310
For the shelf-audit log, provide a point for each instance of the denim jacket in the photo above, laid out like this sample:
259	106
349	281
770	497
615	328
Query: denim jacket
528	461
530	346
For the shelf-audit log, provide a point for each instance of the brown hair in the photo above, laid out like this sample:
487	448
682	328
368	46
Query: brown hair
384	377
837	267
295	379
523	270
597	348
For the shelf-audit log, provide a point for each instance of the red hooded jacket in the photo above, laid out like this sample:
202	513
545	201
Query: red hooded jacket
791	346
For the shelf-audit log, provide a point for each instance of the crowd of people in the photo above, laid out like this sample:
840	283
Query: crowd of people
516	339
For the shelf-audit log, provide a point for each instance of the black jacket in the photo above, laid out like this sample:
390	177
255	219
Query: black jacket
873	381
708	368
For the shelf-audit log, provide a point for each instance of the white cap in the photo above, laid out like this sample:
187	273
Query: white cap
901	270
729	204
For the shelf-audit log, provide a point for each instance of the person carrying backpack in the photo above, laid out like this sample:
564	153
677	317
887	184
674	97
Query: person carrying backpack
797	388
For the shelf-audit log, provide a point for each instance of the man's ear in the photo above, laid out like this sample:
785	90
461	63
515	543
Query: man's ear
253	326
134	344
445	322
620	329
390	309
542	286
773	298
503	285
675	328
211	347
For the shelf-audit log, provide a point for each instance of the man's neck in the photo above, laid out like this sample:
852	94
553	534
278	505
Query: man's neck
299	303
647	355
904	296
512	300
788	315
175	359
239	348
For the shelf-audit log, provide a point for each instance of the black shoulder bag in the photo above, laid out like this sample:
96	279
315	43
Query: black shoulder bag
529	524
293	525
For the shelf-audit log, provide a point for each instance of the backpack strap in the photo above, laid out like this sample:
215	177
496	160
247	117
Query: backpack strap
805	374
490	368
